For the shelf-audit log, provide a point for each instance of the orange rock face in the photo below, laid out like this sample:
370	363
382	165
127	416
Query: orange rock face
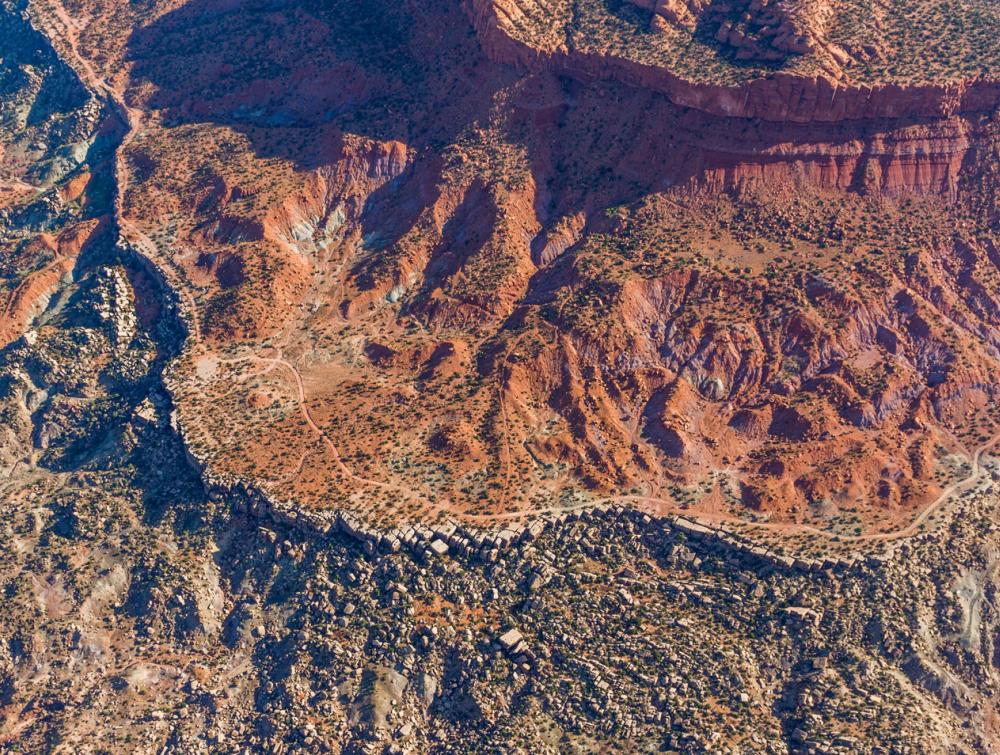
434	267
53	258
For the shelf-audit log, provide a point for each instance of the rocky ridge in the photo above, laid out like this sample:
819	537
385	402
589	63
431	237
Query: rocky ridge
775	96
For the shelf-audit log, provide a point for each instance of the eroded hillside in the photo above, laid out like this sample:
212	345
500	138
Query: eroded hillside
458	288
420	283
422	377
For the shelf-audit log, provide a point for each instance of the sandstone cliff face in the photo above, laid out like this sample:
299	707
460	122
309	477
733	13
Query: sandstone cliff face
781	96
876	157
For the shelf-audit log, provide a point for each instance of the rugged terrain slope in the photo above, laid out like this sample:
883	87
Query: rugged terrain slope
428	377
422	277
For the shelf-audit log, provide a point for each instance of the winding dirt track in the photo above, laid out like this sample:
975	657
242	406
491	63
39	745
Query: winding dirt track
334	451
909	530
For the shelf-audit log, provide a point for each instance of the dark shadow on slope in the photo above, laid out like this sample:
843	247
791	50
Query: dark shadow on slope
294	77
291	75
